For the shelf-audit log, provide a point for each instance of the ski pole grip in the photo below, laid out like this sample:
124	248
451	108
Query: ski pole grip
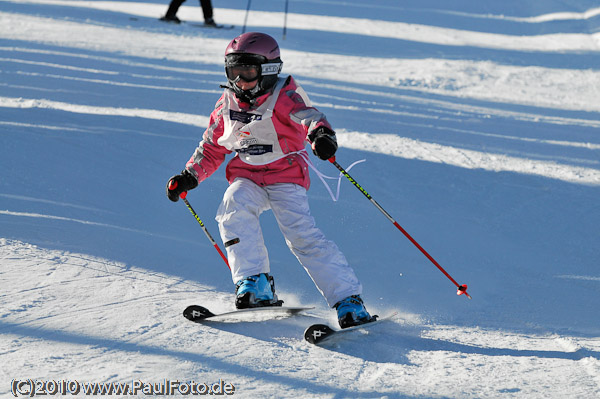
332	159
173	185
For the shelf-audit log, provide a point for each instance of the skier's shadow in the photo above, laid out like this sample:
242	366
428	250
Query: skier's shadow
279	329
393	343
205	361
378	343
383	343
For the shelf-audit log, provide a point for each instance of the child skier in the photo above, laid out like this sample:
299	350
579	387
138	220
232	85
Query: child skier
267	119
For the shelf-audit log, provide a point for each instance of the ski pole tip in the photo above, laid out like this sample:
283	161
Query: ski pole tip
462	289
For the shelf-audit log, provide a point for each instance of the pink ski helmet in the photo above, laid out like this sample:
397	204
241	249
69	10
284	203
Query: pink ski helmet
252	56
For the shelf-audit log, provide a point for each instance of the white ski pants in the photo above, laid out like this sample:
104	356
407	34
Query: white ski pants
238	218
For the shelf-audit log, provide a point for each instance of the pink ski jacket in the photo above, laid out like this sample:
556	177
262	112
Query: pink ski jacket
268	137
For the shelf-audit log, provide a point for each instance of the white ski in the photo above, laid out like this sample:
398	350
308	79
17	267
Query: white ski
198	314
319	333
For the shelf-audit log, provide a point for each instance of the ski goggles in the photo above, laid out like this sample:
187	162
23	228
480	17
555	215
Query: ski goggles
247	73
251	72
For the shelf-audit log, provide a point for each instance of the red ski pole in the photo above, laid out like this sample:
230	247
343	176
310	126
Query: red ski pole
462	289
183	195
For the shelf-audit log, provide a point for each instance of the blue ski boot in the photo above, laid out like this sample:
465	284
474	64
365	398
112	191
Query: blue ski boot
352	312
256	291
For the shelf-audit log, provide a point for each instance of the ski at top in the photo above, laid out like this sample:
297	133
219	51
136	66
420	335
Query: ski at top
319	333
216	26
194	24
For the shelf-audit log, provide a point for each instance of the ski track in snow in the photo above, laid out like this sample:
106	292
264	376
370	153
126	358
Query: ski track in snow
508	172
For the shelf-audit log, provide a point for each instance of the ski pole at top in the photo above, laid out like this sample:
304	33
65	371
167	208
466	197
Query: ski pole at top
462	289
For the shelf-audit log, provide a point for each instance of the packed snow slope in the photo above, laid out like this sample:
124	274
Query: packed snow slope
480	125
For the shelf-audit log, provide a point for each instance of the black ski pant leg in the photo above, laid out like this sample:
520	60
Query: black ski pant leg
174	7
207	9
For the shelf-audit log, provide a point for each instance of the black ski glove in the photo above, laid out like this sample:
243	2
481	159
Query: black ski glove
180	183
324	144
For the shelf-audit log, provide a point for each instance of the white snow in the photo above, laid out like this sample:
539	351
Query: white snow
480	125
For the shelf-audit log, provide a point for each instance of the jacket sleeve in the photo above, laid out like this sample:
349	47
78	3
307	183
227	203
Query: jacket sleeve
302	113
209	155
